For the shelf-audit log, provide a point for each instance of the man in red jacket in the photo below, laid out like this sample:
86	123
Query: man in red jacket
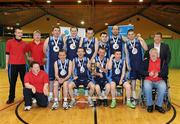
35	48
15	62
36	85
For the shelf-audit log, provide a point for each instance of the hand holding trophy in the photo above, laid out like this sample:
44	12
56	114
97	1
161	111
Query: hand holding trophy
93	67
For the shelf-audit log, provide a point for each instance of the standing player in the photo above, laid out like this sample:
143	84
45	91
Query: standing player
72	44
101	77
82	76
52	46
35	49
15	62
63	69
117	77
134	55
90	44
116	41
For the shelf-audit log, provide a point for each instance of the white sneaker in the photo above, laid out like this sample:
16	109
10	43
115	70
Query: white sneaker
65	105
55	106
72	103
27	108
34	101
90	102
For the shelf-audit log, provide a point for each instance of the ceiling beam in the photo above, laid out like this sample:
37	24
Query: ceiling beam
14	10
65	3
155	21
34	2
32	19
119	21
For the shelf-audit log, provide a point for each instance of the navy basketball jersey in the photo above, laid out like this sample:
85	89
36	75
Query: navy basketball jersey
102	64
135	53
117	68
89	47
81	70
116	43
52	54
63	68
105	46
72	44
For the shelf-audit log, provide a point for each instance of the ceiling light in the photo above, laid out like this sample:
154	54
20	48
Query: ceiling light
6	13
82	22
106	24
48	1
17	23
140	0
8	28
109	1
79	1
169	25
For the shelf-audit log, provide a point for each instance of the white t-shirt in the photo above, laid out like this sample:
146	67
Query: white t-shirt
157	46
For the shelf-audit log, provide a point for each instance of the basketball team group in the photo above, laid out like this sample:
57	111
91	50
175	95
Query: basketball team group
99	65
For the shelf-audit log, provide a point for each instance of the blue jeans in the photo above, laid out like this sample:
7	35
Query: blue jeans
161	89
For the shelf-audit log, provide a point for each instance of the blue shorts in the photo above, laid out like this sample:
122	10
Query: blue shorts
117	79
83	82
133	75
101	82
51	74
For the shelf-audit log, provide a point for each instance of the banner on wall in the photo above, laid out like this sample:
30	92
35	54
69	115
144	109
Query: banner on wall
66	31
123	29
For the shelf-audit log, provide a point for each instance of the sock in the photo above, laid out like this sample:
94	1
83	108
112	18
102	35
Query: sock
55	99
105	97
100	97
89	97
50	94
134	94
65	99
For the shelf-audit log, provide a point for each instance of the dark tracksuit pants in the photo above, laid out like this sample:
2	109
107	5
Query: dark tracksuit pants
13	71
41	99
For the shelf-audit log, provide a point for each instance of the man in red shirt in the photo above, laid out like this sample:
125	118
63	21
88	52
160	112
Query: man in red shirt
155	72
35	48
36	85
15	62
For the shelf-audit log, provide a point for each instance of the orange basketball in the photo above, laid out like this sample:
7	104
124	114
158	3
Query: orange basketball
81	102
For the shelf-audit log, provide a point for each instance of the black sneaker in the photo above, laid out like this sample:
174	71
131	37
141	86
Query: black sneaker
159	109
99	102
105	102
9	101
150	108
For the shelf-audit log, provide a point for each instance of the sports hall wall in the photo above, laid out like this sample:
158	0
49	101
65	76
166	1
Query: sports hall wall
142	25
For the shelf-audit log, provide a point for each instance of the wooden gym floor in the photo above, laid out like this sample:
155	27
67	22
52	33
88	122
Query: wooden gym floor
121	114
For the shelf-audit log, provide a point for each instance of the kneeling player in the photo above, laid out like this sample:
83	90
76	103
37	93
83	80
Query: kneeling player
117	77
36	85
81	76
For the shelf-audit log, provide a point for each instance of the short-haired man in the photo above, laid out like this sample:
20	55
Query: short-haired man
36	85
